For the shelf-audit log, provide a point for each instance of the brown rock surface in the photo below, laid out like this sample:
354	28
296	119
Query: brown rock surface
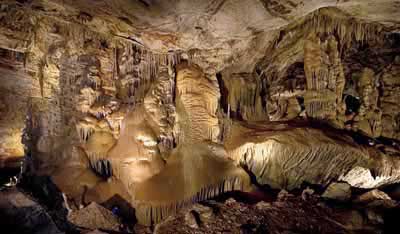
94	216
338	191
293	215
376	198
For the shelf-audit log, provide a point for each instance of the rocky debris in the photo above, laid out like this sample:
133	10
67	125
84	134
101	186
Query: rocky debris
283	195
94	216
49	196
375	217
376	198
140	229
191	219
293	215
338	191
307	193
205	213
351	220
198	215
289	213
95	232
20	214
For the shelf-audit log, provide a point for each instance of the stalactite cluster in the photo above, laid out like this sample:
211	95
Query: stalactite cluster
325	79
136	68
332	21
245	96
368	118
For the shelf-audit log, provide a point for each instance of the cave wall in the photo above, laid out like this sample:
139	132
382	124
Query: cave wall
17	87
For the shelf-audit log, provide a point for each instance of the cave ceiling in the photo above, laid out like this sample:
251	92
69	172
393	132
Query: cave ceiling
223	33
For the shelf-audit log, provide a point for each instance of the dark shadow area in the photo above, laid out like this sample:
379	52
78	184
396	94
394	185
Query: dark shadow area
7	174
22	221
391	218
223	101
352	104
121	208
49	196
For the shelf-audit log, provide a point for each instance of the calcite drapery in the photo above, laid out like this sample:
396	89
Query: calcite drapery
368	118
197	102
137	162
325	79
285	156
245	97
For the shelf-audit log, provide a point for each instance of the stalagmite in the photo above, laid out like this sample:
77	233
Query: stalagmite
136	157
368	118
185	170
197	99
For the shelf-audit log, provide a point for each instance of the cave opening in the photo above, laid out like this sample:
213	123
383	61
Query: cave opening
352	104
224	93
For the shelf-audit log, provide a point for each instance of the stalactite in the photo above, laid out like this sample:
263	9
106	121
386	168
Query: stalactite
325	79
139	67
332	21
84	131
160	104
244	96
